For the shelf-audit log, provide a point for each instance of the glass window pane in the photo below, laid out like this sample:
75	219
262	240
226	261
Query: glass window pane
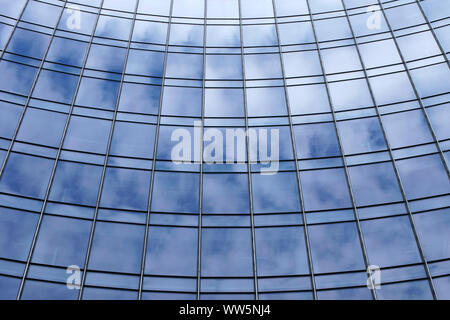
16	233
342	59
332	29
228	67
113	27
150	31
406	128
28	43
126	189
39	290
62	241
172	251
146	63
391	88
175	192
335	247
76	183
55	86
87	134
259	35
433	229
361	135
179	101
122	5
117	247
281	251
186	34
438	117
308	99
168	296
224	9
227	285
262	66
189	8
295	33
350	94
26	175
325	189
12	8
432	80
423	176
257	8
288	7
374	184
442	286
390	242
133	140
266	102
304	63
403	16
158	7
9	117
316	140
16	78
108	294
410	49
379	53
225	193
223	36
345	294
67	51
182	65
106	58
412	290
41	13
325	5
97	93
224	103
139	98
226	252
42	127
10	287
284	198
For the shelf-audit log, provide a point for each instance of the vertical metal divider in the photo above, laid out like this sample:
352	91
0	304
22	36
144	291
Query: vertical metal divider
19	123
249	169
200	192
394	163
105	163
432	31
355	211
294	150
36	231
416	93
155	149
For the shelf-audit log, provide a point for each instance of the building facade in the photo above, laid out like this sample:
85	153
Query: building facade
93	205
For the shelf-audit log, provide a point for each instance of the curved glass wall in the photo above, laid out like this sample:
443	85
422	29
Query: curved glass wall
92	91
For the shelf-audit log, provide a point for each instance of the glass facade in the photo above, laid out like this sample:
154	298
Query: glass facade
92	91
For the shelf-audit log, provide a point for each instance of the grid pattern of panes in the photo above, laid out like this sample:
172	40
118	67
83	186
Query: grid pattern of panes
88	105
